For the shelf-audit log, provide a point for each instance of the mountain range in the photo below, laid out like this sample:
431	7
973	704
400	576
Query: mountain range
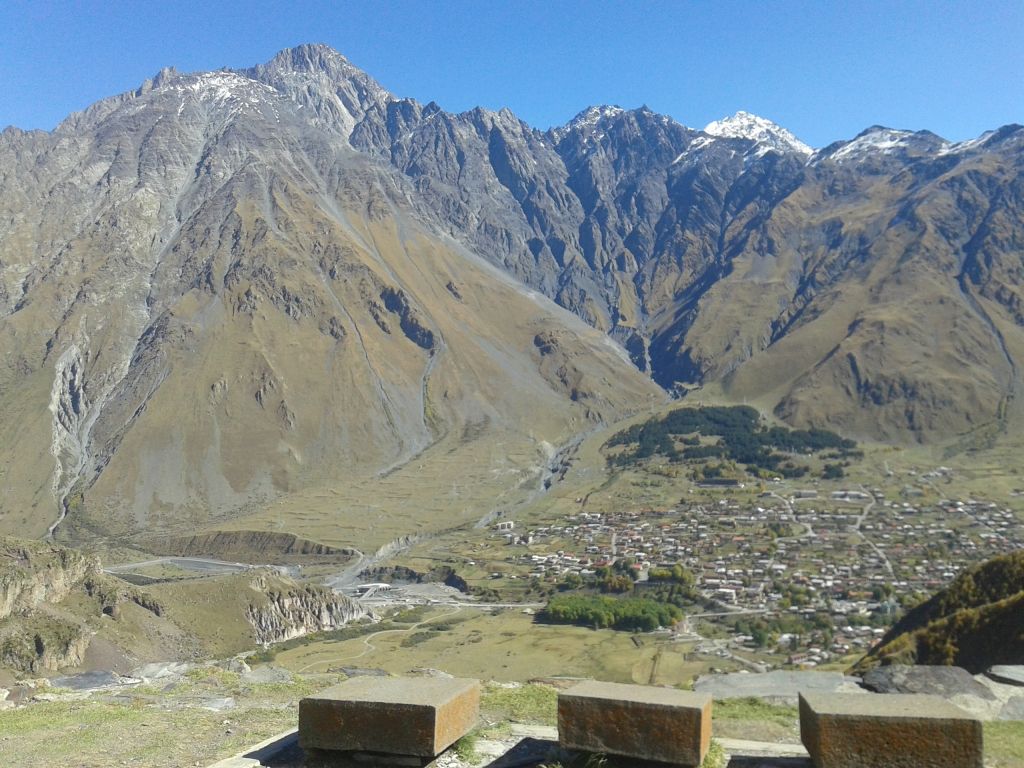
226	289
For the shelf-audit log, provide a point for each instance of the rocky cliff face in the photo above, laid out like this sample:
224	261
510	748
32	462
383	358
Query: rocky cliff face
44	644
248	546
285	609
35	577
33	573
811	281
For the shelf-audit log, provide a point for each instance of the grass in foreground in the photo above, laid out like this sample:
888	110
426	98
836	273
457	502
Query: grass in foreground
755	720
95	734
1004	744
530	703
150	727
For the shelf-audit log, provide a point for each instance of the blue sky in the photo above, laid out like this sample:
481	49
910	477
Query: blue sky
825	70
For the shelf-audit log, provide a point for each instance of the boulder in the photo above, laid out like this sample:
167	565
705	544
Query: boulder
236	665
267	675
160	670
217	703
933	680
1013	709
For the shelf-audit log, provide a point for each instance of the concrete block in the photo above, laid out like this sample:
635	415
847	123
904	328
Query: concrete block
891	730
663	725
400	716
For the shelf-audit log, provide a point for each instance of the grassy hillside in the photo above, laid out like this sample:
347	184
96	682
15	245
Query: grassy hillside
974	623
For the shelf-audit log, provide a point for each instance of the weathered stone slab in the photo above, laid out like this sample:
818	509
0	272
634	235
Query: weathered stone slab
400	716
778	685
1013	709
944	682
642	722
891	730
1011	674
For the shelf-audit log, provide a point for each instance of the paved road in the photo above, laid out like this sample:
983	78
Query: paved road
349	577
860	521
737	612
410	601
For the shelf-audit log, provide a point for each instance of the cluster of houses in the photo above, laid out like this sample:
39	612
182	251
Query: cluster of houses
800	554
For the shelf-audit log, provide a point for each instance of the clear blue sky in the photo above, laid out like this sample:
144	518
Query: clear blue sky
825	70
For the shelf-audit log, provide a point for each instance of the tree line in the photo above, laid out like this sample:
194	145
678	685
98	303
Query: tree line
742	438
633	614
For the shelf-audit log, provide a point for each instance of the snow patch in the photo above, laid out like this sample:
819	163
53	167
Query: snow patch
965	146
591	116
695	146
221	89
768	135
588	123
883	140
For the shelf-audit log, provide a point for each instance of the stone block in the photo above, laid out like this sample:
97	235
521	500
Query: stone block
891	730
662	725
399	716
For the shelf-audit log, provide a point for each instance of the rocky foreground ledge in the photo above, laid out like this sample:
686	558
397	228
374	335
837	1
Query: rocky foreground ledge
523	746
841	723
233	712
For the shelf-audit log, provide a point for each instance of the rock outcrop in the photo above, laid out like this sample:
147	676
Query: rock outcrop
42	643
285	609
35	577
53	599
247	546
33	573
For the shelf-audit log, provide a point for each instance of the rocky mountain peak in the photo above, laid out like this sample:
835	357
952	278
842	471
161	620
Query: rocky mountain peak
744	125
309	57
881	140
299	200
317	77
591	116
588	122
316	61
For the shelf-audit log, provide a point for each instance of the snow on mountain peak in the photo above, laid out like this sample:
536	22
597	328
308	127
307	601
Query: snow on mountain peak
587	123
744	125
222	85
591	116
879	140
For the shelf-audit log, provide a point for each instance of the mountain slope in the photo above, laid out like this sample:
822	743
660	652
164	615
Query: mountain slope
221	303
230	291
975	622
843	289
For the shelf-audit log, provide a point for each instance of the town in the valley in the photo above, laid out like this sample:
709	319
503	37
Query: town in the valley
827	570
